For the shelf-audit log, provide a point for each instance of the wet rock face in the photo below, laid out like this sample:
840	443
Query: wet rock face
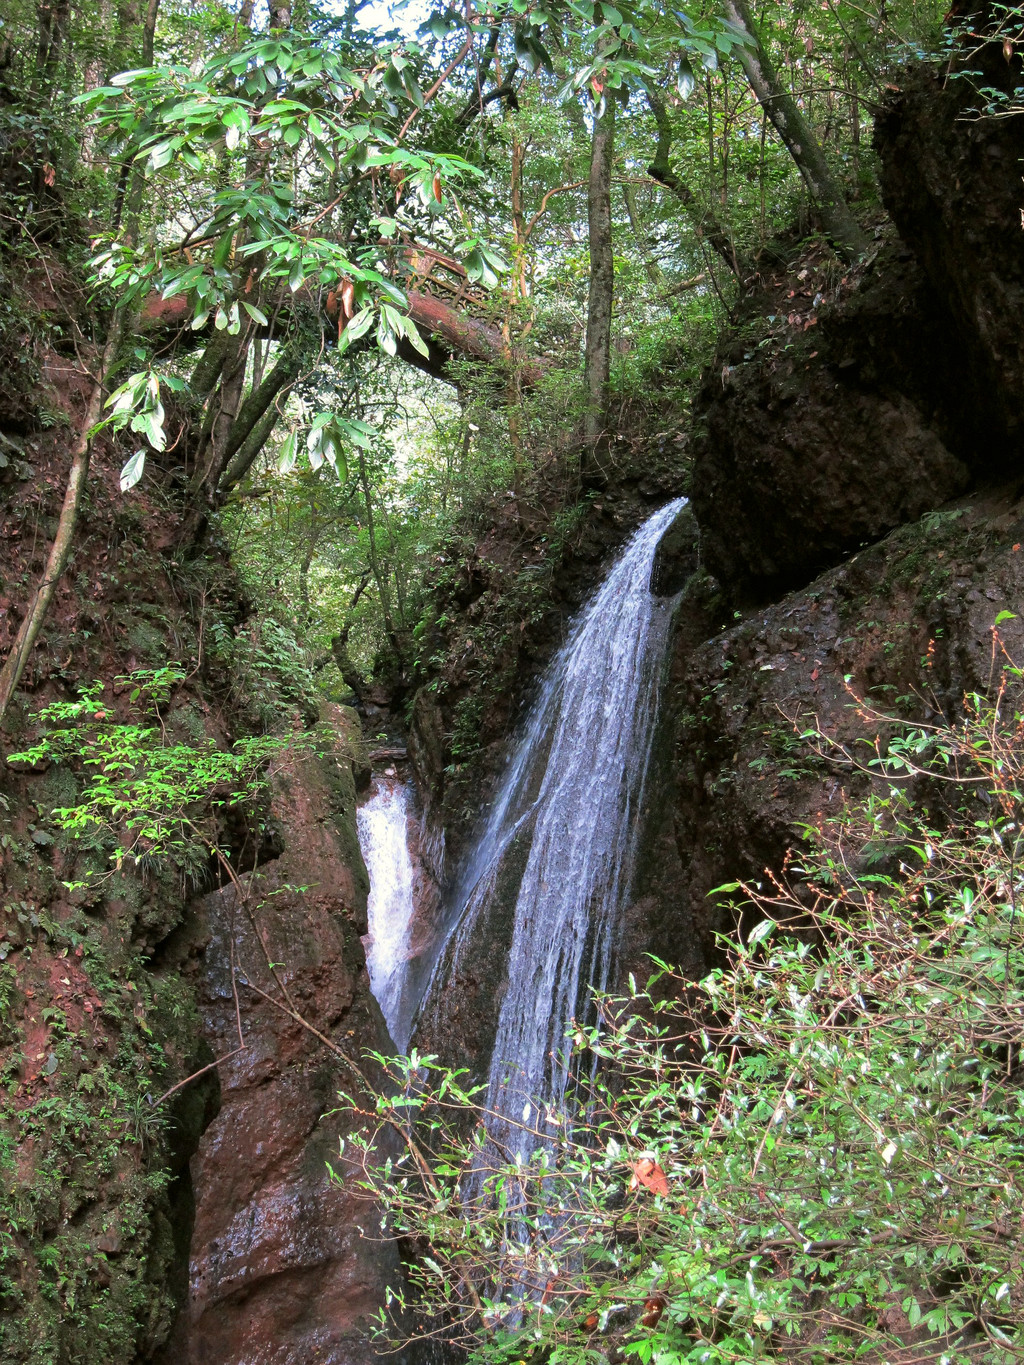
952	184
825	432
279	1270
909	620
677	556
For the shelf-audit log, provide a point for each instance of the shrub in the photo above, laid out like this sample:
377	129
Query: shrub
814	1154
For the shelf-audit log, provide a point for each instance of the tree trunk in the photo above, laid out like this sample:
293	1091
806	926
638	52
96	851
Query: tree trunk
14	665
597	353
149	32
227	402
378	576
790	124
256	406
52	18
706	225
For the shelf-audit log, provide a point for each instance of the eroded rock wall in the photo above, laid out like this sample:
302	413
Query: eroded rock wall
906	625
281	1273
951	181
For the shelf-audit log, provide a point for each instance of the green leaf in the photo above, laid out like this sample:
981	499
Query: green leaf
287	453
386	338
132	471
359	433
685	80
161	154
222	251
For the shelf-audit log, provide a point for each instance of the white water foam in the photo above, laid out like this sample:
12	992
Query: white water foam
383	826
574	790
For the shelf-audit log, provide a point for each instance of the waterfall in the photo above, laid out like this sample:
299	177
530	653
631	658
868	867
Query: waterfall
382	824
568	813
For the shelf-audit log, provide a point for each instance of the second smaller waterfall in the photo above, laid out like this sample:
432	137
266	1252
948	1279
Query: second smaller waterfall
383	825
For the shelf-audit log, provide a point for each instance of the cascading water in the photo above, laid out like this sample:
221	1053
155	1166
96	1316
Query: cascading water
568	813
383	827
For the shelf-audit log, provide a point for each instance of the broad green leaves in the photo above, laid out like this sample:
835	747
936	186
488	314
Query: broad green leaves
327	442
137	405
625	45
265	138
484	265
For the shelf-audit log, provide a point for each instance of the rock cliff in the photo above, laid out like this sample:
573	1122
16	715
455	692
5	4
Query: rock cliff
280	1270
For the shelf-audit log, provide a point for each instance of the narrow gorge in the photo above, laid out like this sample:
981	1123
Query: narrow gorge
435	761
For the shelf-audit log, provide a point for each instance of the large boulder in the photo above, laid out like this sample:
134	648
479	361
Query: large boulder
281	1273
951	180
909	621
821	427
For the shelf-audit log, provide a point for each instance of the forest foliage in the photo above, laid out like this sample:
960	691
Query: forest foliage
349	285
257	202
814	1153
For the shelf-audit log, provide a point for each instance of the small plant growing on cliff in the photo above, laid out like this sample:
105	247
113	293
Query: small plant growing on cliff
814	1154
145	793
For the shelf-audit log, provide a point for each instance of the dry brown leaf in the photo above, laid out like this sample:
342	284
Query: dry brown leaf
653	1309
648	1173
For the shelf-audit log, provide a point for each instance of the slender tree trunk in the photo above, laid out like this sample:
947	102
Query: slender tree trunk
149	32
707	226
52	17
378	576
227	402
249	450
801	143
600	297
208	367
258	403
60	550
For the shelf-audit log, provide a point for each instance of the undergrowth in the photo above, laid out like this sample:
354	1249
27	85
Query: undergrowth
814	1154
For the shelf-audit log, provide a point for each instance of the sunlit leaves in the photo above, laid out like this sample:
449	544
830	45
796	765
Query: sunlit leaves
132	471
142	790
484	265
328	441
276	107
136	404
